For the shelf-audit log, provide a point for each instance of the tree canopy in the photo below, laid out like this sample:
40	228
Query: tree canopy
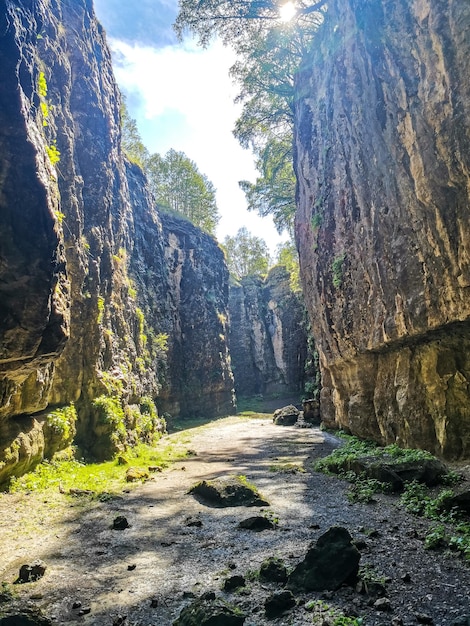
246	255
178	186
269	56
175	181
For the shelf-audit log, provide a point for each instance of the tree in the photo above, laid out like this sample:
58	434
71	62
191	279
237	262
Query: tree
270	54
179	187
287	256
131	140
246	255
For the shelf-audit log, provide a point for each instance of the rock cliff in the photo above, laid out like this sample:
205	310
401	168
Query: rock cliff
382	143
268	337
98	304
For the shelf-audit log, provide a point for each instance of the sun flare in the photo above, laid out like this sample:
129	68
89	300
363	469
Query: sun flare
287	11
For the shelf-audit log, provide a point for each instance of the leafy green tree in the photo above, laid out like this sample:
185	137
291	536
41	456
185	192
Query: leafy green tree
246	254
131	140
179	187
287	256
270	55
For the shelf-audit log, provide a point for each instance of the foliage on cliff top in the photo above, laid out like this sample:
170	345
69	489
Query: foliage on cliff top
175	181
270	52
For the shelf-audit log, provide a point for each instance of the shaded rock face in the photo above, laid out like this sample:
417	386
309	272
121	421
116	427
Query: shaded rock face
383	165
200	380
268	338
87	307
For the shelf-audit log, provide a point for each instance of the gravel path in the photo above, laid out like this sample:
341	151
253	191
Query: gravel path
177	548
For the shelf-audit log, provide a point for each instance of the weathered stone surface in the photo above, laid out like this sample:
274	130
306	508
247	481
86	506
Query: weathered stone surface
328	564
234	582
210	611
273	570
200	381
84	256
287	416
396	472
268	339
257	523
226	492
26	618
278	603
382	138
31	572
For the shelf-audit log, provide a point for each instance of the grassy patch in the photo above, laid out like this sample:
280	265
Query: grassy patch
452	530
100	478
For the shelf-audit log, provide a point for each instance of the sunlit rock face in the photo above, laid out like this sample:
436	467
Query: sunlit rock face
86	307
383	162
200	380
268	336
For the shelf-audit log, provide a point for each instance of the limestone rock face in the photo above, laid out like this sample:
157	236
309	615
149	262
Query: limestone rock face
383	225
91	292
268	338
200	380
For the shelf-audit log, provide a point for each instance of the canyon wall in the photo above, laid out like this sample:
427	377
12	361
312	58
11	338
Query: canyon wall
268	336
382	142
98	304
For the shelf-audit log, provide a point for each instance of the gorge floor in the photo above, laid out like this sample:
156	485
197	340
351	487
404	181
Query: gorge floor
176	548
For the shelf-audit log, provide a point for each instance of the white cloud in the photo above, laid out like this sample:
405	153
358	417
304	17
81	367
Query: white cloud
186	103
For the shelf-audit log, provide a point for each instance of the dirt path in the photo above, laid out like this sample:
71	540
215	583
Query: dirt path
176	547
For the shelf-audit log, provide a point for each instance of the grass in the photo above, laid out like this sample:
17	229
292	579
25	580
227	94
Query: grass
100	478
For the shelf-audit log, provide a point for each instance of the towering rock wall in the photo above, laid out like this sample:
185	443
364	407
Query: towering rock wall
383	226
268	339
86	295
200	381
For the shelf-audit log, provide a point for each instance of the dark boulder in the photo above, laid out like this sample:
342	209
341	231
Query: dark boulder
227	492
210	611
273	570
333	561
287	416
257	523
278	603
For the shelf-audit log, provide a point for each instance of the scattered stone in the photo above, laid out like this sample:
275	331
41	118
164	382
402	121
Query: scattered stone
225	492
394	472
360	544
120	620
193	522
234	582
135	474
382	604
397	621
131	568
209	611
29	573
154	603
155	468
76	605
273	570
287	416
406	578
120	523
85	611
26	618
422	618
460	501
37	596
257	523
333	561
278	603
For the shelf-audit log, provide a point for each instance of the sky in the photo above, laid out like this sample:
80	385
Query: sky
182	98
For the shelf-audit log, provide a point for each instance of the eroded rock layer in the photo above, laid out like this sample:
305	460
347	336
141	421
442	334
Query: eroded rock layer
268	335
88	301
383	226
